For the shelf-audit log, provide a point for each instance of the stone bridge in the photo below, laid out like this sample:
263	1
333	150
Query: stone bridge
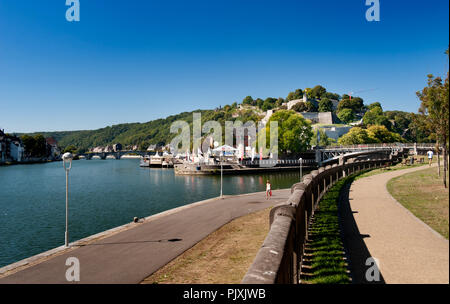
116	155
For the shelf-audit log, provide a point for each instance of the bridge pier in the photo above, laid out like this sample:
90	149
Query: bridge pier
318	157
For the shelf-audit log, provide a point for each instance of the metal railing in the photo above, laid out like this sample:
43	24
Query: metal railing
284	162
381	146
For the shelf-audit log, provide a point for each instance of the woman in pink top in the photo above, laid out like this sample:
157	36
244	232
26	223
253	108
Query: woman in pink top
268	190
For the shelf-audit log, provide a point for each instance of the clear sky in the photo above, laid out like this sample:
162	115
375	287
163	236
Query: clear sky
138	60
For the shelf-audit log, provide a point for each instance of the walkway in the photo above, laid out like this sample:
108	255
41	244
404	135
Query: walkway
132	255
408	250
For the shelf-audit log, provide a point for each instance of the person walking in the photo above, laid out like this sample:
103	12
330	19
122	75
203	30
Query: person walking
430	156
268	190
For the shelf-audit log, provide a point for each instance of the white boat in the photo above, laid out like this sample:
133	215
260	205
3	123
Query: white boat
156	160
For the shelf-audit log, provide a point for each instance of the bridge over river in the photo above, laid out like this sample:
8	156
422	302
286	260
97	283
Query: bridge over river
116	155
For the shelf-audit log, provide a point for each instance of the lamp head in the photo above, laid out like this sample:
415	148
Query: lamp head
67	159
67	156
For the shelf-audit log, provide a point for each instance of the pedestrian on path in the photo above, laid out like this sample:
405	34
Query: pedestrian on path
430	156
268	190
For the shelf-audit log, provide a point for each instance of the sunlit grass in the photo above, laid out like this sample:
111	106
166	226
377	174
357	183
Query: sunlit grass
327	249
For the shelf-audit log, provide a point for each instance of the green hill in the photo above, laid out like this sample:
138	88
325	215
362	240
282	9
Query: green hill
143	134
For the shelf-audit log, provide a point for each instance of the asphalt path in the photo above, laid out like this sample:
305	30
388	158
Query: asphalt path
128	257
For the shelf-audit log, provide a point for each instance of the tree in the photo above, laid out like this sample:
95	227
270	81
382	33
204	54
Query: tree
258	102
298	94
304	107
279	102
346	115
374	105
324	139
401	123
354	104
375	117
72	149
330	95
373	134
382	135
28	142
325	105
356	136
294	132
35	146
268	104
247	100
435	108
318	92
300	107
419	131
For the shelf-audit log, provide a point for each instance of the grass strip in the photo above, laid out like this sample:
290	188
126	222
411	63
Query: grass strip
325	261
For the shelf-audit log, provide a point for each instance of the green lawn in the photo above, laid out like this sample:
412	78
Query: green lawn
423	193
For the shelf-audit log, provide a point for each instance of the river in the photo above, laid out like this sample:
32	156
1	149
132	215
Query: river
103	194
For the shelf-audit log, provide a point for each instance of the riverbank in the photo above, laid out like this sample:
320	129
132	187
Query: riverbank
102	195
152	243
30	162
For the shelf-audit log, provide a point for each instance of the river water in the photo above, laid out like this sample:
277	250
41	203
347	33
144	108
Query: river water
103	194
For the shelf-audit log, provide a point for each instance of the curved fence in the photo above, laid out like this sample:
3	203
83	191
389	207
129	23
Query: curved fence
280	257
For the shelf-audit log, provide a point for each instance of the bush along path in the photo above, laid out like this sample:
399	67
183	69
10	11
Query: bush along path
325	259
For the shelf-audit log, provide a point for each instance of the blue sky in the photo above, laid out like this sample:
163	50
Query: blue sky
138	60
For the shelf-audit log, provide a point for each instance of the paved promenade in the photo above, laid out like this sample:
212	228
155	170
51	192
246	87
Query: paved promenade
408	250
132	255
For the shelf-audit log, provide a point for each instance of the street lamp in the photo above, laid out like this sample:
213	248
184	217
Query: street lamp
67	164
216	144
301	169
221	174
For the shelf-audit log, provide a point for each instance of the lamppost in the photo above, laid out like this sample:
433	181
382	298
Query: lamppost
221	172
301	169
67	164
216	144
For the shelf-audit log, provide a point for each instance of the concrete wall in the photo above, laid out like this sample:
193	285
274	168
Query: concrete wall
319	117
